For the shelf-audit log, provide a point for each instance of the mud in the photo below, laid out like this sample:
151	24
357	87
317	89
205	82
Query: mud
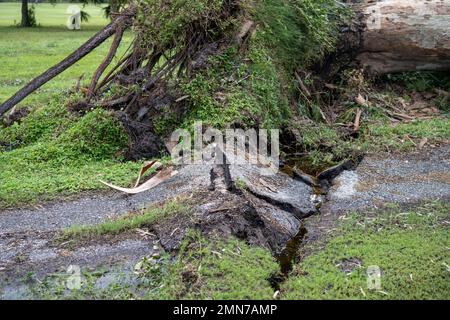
275	212
143	142
267	213
287	257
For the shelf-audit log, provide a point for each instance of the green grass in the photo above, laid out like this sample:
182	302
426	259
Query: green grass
253	87
410	246
299	32
61	153
258	101
326	146
54	152
144	217
394	136
419	81
204	269
219	270
27	52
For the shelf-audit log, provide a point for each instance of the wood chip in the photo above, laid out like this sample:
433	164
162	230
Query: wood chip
443	93
331	86
302	85
245	29
217	253
182	98
362	291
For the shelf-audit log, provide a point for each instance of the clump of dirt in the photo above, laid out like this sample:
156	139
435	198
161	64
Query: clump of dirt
143	142
250	213
350	264
222	215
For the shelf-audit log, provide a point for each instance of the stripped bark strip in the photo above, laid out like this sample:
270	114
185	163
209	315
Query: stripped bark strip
357	121
124	20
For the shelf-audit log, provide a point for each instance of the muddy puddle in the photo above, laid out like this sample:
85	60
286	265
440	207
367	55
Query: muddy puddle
288	257
300	168
291	164
319	178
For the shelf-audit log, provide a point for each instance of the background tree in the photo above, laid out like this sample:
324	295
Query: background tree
28	17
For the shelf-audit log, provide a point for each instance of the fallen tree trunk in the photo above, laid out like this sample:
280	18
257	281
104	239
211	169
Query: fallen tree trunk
405	35
121	22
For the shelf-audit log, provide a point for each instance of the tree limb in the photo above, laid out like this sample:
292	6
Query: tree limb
124	19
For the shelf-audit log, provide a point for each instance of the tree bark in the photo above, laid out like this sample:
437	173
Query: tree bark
108	59
405	35
123	20
25	18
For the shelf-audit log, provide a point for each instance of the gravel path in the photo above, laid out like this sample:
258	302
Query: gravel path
26	235
402	179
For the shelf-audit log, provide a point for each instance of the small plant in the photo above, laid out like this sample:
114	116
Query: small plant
240	184
421	81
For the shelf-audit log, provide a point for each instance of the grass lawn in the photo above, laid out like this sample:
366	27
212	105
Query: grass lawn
203	269
47	162
50	15
410	247
27	52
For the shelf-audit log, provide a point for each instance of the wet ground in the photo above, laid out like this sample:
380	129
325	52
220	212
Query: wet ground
382	179
27	235
268	213
398	179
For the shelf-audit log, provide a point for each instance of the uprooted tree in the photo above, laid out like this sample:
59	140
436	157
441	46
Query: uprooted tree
195	59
